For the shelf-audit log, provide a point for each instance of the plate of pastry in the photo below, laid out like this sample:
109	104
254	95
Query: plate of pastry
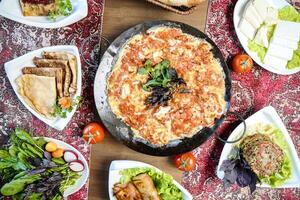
137	180
48	82
44	13
264	30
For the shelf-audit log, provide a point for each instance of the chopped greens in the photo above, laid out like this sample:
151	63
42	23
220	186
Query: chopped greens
162	82
26	173
63	8
62	113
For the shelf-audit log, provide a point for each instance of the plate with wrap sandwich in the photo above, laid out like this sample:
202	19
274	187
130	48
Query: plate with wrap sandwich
133	180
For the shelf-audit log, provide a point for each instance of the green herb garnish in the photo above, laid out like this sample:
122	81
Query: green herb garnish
62	113
162	81
63	8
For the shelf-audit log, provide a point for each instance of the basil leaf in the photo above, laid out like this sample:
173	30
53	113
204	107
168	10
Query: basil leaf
142	71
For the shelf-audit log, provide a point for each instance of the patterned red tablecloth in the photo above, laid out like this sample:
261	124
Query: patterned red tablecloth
17	39
250	93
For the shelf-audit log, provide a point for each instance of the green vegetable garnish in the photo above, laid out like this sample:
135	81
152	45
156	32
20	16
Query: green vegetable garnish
62	113
162	81
18	185
162	181
63	8
25	172
260	50
160	74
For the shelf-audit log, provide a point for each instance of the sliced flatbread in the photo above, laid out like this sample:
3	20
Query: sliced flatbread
72	60
56	63
186	3
37	9
51	72
39	92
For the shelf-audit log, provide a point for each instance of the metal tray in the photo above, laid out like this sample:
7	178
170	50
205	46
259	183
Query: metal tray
118	128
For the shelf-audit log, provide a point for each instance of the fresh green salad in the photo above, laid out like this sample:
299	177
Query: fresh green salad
287	13
162	181
27	171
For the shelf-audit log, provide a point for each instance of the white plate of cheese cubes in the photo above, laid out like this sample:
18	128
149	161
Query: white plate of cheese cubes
249	19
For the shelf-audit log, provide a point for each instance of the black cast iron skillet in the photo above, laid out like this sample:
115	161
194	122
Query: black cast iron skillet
118	128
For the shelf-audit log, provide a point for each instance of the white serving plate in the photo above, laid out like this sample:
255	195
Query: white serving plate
13	70
237	14
114	177
84	175
11	9
267	115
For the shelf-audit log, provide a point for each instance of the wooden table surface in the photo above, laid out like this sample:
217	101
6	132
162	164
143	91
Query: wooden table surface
120	15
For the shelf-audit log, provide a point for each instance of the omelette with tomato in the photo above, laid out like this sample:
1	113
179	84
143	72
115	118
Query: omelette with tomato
166	85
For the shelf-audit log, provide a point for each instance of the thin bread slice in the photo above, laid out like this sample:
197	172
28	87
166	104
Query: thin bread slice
72	61
49	72
55	63
39	92
37	9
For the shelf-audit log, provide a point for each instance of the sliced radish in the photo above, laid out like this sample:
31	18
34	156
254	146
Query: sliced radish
76	166
70	156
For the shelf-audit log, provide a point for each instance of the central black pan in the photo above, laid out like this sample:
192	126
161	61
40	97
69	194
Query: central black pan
118	128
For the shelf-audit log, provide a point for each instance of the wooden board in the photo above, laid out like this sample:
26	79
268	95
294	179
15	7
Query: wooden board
120	15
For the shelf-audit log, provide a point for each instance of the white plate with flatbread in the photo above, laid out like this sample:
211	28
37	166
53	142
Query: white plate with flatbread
14	68
11	9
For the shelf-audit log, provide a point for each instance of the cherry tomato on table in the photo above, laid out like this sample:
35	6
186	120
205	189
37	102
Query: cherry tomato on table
93	133
185	162
242	63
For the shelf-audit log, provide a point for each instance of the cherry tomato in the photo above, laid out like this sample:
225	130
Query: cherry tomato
93	133
185	162
242	63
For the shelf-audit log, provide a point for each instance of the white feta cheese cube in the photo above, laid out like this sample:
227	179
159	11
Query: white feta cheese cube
261	36
275	62
287	30
284	42
251	15
261	7
280	51
247	29
272	16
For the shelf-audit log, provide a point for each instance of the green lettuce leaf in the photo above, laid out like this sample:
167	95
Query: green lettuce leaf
289	13
260	50
285	173
162	181
295	62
